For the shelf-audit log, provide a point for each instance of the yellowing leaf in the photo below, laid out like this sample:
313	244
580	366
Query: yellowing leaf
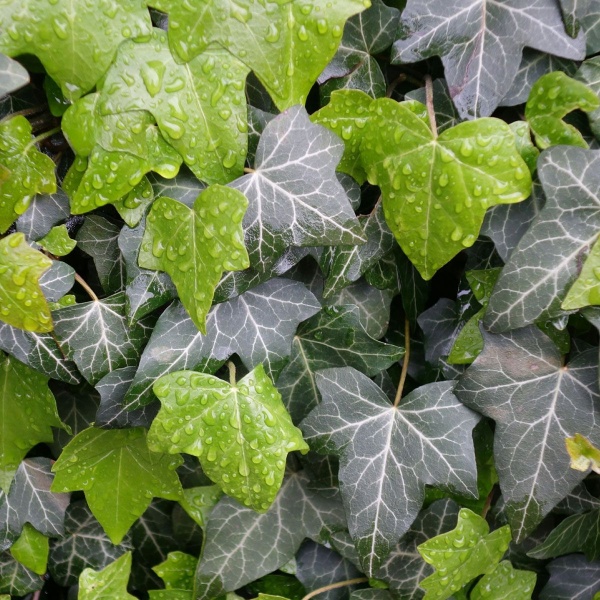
583	453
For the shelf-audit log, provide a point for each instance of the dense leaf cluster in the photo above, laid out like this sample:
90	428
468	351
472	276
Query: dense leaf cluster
300	295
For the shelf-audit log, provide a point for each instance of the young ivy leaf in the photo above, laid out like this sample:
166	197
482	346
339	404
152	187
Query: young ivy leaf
76	43
29	410
31	549
22	302
111	582
195	245
505	583
119	475
388	454
520	382
286	45
462	554
200	107
57	241
240	431
583	453
25	170
585	290
177	573
120	149
481	44
553	96
435	189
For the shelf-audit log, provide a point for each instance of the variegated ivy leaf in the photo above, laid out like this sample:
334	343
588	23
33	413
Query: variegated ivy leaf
295	198
520	381
388	454
286	45
332	338
114	153
552	97
12	75
435	189
243	545
200	107
95	336
75	43
118	473
111	582
365	35
26	170
258	326
240	431
548	257
29	412
481	44
194	246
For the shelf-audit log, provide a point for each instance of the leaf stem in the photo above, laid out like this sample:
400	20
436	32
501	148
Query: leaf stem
392	86
86	287
430	107
46	134
249	170
231	368
333	586
25	112
405	362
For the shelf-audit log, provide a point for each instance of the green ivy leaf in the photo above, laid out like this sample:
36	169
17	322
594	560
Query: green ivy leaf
26	171
111	582
57	241
29	411
177	571
199	107
120	149
31	549
22	302
553	96
524	368
198	502
388	454
241	432
583	453
195	245
286	45
118	473
462	554
60	36
585	290
505	583
525	146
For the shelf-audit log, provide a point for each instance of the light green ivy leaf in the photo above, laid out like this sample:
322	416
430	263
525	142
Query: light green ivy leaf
505	583
58	241
108	584
240	431
198	502
177	571
119	475
31	549
196	245
585	290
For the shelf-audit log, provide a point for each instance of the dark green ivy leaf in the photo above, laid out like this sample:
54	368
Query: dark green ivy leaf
572	578
12	75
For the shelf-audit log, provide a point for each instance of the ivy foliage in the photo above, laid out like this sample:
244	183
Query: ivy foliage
300	297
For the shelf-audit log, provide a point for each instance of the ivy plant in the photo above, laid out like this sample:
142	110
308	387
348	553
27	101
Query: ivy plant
300	298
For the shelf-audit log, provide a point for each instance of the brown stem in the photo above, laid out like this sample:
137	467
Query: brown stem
25	112
430	107
405	362
392	86
333	586
488	502
36	595
86	287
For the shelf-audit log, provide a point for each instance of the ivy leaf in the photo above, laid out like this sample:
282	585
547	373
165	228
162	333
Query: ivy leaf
242	545
95	336
287	46
118	474
388	454
586	288
27	171
332	338
572	578
120	149
31	549
177	571
17	579
523	369
84	545
553	96
111	582
199	109
589	73
198	502
22	303
583	454
240	431
545	262
507	584
29	411
481	44
12	75
44	212
194	246
59	35
57	241
365	35
294	195
258	326
462	554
